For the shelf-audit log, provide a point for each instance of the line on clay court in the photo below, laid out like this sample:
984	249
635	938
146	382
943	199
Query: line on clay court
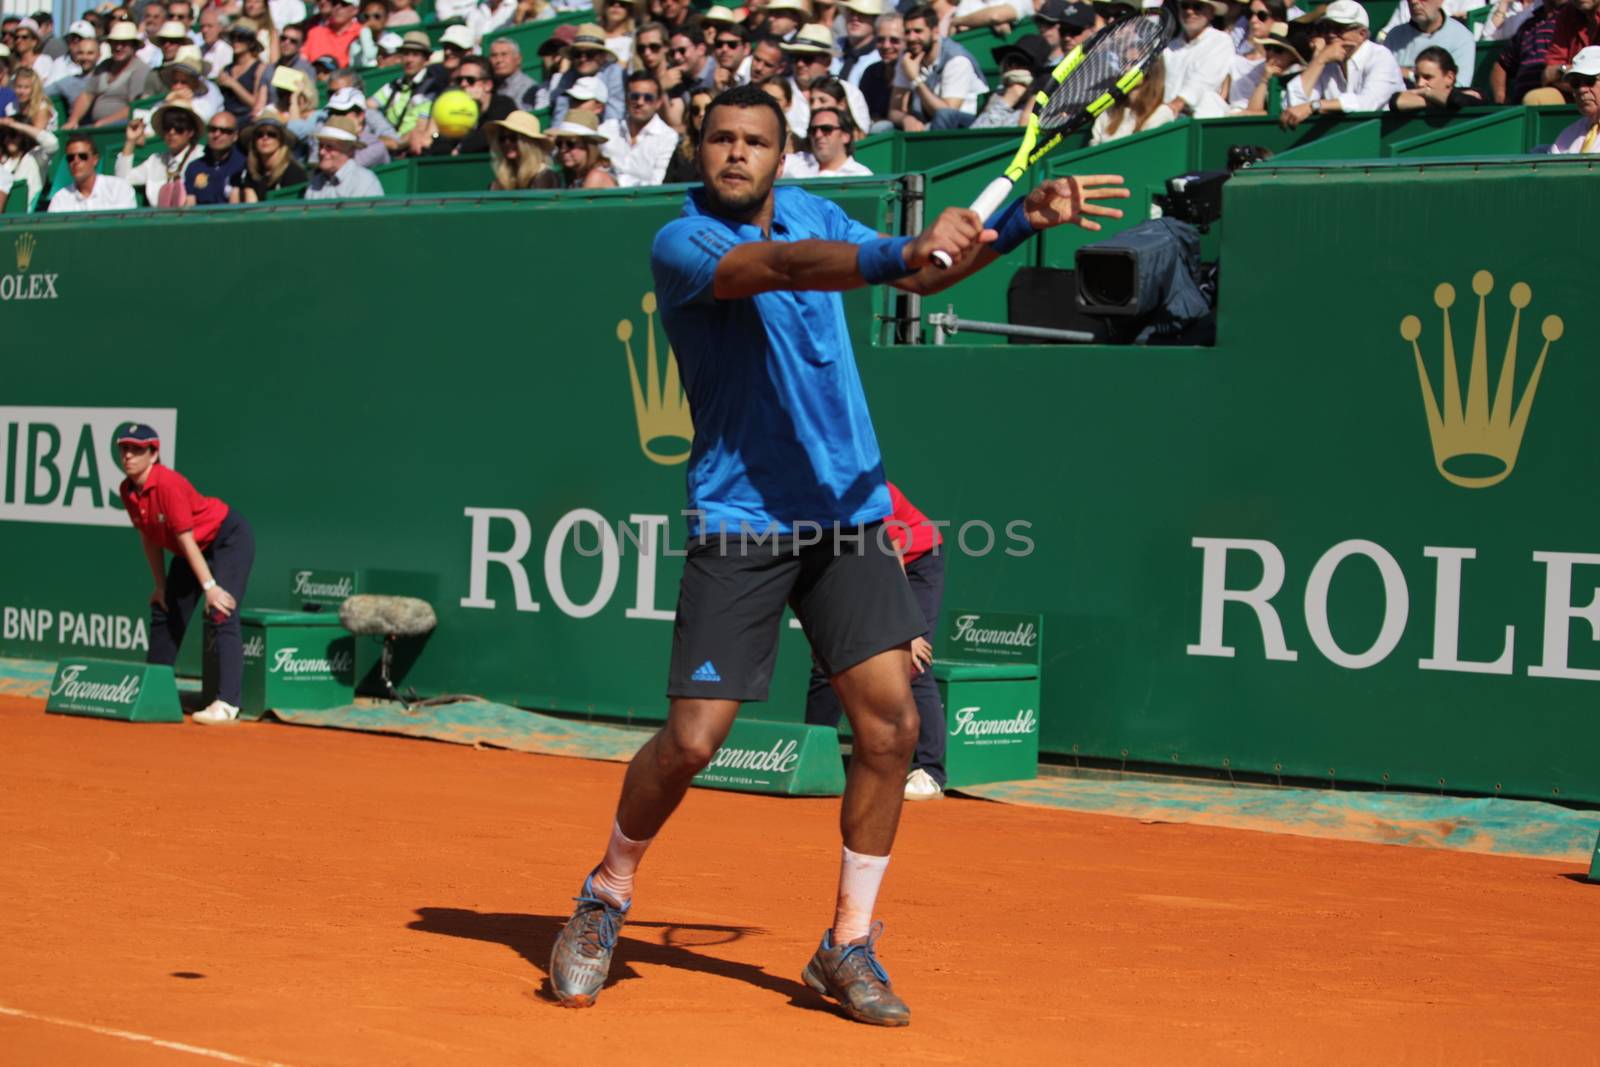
129	1035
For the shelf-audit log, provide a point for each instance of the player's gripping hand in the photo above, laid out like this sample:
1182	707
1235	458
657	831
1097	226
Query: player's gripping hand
957	232
1068	201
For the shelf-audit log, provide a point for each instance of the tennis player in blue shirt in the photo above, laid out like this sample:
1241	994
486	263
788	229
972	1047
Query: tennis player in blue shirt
787	500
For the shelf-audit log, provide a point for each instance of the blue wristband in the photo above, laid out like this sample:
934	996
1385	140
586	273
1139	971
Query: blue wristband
883	260
1011	225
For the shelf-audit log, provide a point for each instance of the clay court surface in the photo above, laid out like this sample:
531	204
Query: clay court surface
302	896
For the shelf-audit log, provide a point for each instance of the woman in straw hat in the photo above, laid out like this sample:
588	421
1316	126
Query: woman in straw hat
519	154
269	158
578	140
1247	67
160	176
1283	52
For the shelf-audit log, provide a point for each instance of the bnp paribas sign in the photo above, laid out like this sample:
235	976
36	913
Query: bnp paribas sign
60	464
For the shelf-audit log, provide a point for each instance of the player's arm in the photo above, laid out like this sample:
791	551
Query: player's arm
1062	202
767	266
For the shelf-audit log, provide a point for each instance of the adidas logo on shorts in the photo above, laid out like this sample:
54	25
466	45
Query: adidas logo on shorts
706	672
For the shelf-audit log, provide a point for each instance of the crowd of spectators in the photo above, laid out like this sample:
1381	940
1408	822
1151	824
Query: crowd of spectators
236	84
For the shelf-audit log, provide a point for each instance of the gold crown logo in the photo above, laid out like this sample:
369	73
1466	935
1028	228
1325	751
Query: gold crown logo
1476	446
25	246
659	405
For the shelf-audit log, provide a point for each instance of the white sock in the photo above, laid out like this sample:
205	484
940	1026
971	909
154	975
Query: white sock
859	879
614	877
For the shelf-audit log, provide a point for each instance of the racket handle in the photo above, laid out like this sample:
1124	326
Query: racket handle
994	194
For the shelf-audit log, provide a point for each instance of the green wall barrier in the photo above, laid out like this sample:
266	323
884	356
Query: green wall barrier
1258	556
1497	133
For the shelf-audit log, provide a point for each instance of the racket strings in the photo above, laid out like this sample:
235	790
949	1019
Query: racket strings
1125	46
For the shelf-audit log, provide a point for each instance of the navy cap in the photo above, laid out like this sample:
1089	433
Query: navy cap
1031	50
1079	16
137	433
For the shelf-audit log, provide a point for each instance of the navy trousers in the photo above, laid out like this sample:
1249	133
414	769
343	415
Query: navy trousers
926	575
230	557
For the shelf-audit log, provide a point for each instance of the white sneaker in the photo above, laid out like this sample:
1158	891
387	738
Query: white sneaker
218	711
921	786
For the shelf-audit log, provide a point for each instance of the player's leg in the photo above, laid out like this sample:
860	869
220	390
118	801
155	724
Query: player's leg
724	644
169	621
230	558
661	771
860	616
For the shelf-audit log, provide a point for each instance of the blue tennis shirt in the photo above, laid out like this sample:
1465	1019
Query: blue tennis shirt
781	430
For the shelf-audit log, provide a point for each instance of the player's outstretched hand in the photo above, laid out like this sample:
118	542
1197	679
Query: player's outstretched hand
957	232
1069	201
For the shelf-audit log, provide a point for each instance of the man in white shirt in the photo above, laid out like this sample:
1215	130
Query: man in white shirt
831	136
932	75
490	16
1348	72
1198	61
214	48
640	145
90	190
338	176
1001	15
1583	136
1430	27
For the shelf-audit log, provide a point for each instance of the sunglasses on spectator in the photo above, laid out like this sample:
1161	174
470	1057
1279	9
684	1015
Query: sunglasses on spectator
677	51
728	42
466	79
380	15
287	37
564	144
222	129
881	39
644	47
641	98
268	135
825	131
1581	81
508	140
1261	16
77	157
1194	7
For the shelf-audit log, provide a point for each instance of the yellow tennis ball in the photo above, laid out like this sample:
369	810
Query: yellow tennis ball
455	113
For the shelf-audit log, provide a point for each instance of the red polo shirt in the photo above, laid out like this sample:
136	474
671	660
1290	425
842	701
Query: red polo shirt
326	41
1574	31
168	505
923	535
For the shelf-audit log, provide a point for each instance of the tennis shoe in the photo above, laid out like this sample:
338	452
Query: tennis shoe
216	712
852	975
581	958
920	785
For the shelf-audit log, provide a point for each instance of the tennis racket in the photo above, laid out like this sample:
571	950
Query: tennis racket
1091	78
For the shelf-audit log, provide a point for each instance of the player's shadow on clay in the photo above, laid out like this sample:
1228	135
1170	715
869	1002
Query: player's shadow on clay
533	936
